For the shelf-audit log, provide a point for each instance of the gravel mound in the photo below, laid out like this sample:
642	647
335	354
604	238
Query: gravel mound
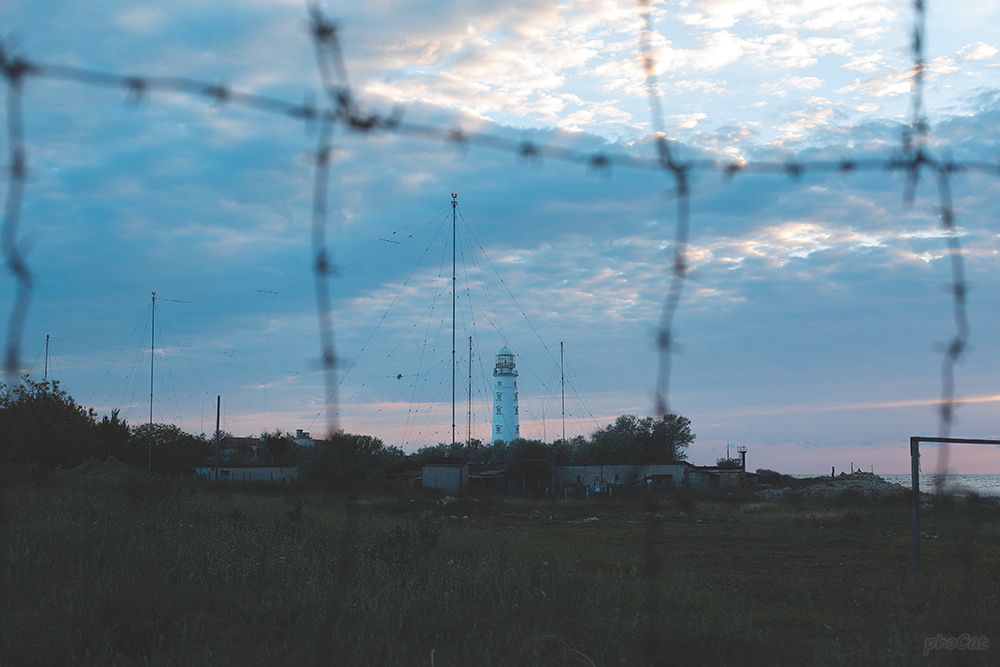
857	484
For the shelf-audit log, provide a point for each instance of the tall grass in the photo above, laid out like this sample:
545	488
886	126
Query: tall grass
108	567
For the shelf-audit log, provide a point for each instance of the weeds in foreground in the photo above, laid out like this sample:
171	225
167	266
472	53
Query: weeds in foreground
105	566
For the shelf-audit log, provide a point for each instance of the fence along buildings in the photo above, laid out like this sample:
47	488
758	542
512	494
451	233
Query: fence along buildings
444	474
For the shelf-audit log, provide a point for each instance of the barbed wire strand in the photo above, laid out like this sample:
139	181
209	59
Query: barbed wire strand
333	75
651	557
322	269
14	71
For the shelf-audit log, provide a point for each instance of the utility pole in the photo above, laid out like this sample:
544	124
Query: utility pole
562	384
218	411
152	350
470	391
454	298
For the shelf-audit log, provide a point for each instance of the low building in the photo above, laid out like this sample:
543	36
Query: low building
228	474
446	474
303	439
682	475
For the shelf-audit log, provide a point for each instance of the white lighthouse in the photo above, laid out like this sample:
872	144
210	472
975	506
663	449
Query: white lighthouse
505	427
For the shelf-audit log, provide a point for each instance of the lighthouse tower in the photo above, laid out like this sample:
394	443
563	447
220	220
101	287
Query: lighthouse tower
505	427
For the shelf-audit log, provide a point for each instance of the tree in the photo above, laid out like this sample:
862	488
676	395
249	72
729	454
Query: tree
615	443
666	438
633	440
173	450
279	450
41	424
528	458
346	459
111	436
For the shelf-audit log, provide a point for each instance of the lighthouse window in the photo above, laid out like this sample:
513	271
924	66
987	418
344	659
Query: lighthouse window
498	383
500	396
515	395
498	409
515	409
498	428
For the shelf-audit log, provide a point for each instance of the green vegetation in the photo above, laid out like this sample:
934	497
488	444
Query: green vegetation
43	429
107	566
629	439
347	459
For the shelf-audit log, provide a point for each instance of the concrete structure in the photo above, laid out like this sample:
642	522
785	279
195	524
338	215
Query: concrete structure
446	474
505	418
683	474
303	439
679	475
229	474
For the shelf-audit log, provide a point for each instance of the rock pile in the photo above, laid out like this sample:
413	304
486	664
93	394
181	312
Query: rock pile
857	484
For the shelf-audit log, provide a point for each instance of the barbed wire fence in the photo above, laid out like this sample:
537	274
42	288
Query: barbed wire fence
341	110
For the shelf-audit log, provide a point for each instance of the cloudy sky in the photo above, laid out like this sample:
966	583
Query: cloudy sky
816	307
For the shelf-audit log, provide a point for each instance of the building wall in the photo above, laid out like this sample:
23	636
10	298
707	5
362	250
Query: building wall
229	474
446	478
684	475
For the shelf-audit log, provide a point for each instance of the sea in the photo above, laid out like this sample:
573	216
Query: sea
983	485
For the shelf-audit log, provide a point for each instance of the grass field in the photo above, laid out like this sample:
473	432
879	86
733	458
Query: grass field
108	567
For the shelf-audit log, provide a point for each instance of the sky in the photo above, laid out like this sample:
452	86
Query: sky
812	320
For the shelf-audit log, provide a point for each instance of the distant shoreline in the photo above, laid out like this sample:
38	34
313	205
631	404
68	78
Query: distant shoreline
983	484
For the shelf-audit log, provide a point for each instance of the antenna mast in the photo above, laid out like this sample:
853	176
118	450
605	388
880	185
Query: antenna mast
454	297
562	382
470	391
46	376
152	350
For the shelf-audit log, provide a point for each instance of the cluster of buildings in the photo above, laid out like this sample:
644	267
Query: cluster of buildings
459	476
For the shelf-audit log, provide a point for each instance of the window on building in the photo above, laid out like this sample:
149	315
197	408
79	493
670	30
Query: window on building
498	428
498	409
515	409
498	383
499	396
